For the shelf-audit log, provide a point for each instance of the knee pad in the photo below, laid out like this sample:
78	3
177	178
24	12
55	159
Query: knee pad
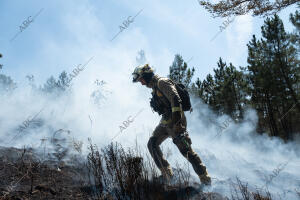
182	139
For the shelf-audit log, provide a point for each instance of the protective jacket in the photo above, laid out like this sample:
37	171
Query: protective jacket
166	97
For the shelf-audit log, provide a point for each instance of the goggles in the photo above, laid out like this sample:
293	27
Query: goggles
135	77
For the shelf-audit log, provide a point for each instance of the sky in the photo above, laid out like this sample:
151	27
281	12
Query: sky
67	33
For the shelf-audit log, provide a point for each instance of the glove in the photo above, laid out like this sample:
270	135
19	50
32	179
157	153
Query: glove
176	122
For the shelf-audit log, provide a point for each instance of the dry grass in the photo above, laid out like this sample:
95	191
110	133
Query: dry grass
109	173
240	191
29	178
119	174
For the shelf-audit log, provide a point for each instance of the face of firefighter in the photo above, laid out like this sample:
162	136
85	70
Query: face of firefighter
143	82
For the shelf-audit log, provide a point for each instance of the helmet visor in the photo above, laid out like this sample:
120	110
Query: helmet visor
135	77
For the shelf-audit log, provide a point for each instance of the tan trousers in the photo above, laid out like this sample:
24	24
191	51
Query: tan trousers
183	143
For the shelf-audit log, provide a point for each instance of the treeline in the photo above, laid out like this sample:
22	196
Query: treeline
270	83
52	87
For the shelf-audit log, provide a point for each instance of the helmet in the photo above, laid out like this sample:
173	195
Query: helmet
140	71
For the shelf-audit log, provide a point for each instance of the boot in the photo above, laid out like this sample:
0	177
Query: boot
205	179
166	174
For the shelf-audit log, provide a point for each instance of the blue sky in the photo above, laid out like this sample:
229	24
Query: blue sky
70	32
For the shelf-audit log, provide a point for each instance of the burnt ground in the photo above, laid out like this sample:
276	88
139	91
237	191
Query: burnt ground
24	176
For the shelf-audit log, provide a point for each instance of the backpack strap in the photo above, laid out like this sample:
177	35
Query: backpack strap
156	89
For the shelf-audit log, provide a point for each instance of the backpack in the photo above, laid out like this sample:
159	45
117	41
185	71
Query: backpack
184	96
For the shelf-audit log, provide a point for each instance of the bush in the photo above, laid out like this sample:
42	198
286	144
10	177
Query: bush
119	174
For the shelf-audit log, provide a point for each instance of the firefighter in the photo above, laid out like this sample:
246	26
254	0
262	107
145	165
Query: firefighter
168	103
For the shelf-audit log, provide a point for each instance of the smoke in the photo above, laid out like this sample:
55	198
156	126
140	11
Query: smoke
119	111
236	150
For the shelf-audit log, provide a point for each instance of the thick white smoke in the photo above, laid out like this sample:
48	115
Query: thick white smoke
238	151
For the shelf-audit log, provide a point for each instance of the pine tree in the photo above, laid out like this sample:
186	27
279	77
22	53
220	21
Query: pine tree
7	85
225	8
295	36
179	71
224	91
270	83
295	19
273	76
56	87
63	81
